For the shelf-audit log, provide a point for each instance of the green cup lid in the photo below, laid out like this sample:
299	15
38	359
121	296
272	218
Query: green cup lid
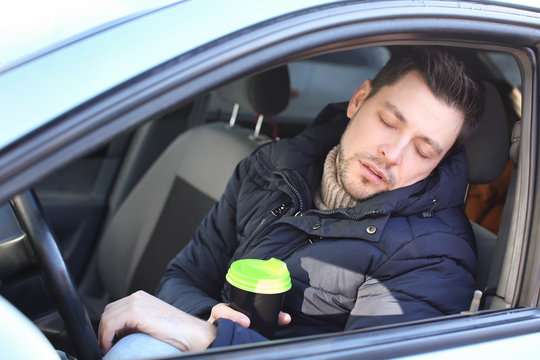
260	276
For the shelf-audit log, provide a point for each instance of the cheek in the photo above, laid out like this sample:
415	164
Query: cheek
413	170
362	135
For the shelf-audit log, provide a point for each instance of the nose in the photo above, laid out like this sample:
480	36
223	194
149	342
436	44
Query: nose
392	151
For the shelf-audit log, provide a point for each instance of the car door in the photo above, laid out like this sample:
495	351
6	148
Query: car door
510	30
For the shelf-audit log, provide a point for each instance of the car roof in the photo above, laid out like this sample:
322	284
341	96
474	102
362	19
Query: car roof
46	24
111	53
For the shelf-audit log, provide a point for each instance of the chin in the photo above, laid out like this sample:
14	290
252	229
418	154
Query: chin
373	194
358	187
364	193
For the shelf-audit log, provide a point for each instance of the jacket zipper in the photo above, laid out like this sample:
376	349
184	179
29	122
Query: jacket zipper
295	191
275	212
342	212
301	212
281	208
322	212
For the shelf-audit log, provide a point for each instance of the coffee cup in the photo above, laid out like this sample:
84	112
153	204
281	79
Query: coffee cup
257	290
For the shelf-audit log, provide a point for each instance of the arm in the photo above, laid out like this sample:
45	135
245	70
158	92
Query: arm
430	276
141	312
195	277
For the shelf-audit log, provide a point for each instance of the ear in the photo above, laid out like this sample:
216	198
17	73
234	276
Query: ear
358	98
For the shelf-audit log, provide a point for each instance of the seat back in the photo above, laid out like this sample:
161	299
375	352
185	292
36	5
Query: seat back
496	286
487	154
162	212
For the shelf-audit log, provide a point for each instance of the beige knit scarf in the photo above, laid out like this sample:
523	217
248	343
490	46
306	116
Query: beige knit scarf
331	195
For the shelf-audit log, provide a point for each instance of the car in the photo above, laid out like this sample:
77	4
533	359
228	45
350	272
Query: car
120	137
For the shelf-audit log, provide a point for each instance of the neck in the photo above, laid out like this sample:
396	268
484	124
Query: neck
331	194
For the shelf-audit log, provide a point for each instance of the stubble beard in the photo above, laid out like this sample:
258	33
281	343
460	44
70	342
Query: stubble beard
358	189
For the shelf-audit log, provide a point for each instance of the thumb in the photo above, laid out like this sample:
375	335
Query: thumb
224	311
284	318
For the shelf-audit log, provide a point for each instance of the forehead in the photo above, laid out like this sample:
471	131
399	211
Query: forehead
426	116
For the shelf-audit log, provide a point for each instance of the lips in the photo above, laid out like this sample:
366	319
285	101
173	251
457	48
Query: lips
373	173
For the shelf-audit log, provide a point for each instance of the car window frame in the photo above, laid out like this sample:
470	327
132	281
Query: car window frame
393	341
177	81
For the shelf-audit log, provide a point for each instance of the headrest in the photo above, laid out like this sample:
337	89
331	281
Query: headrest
489	147
266	93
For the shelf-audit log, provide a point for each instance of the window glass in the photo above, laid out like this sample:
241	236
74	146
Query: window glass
508	67
318	81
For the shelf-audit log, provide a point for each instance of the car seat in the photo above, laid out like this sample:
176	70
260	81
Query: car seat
498	290
487	154
162	211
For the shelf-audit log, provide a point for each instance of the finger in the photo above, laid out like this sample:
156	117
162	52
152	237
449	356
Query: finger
284	318
113	320
105	335
223	311
108	327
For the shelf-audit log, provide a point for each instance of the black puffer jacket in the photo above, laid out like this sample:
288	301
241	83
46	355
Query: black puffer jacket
402	255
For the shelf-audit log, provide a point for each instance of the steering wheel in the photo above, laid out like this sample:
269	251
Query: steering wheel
30	214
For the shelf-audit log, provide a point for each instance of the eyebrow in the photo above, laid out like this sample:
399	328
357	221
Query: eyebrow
397	113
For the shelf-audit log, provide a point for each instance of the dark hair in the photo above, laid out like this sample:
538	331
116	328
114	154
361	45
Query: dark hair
445	74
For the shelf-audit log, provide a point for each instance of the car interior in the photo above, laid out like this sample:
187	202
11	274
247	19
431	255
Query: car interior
122	212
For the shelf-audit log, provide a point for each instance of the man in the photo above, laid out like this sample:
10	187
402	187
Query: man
366	213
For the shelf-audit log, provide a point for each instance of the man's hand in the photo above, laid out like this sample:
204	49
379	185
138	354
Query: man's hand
141	312
223	311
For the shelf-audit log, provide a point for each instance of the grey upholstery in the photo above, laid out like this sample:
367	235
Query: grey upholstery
496	298
161	214
488	152
204	158
489	147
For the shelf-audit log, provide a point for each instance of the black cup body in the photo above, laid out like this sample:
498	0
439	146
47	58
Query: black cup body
262	309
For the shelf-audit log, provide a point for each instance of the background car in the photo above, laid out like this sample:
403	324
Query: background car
127	134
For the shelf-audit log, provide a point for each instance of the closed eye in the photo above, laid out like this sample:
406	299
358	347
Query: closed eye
421	153
386	123
424	150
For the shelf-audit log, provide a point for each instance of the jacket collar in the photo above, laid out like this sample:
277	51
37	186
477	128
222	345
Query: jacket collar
299	162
